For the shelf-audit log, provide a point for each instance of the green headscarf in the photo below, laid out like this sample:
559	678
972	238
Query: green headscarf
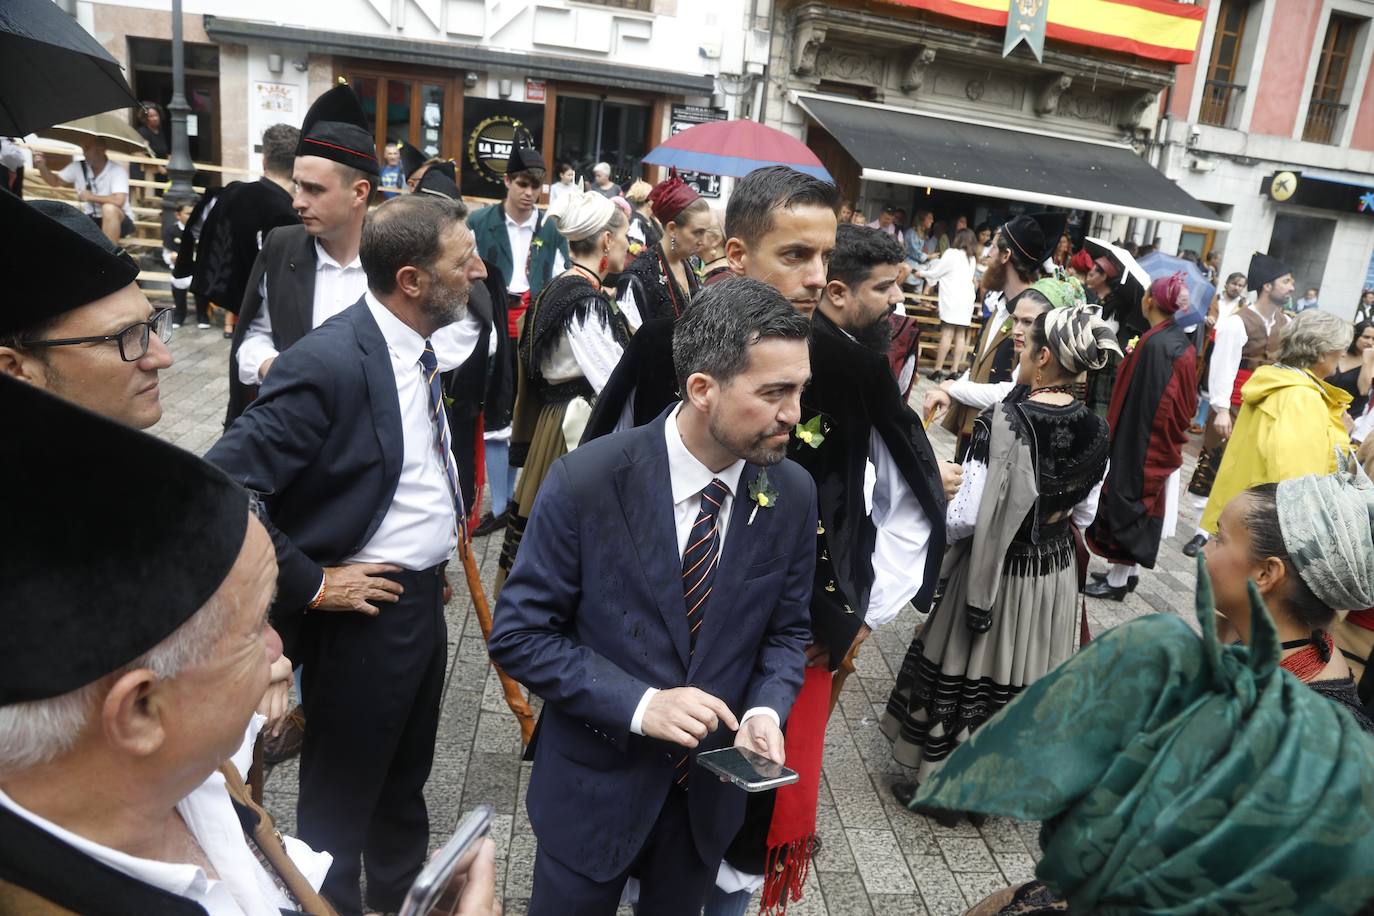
1063	292
1177	775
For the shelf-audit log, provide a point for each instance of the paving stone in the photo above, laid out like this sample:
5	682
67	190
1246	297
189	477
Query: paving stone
966	854
880	861
845	893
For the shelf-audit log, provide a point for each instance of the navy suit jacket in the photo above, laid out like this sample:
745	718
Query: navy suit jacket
593	615
322	445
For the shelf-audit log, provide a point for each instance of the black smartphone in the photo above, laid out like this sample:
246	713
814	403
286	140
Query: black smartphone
455	857
749	770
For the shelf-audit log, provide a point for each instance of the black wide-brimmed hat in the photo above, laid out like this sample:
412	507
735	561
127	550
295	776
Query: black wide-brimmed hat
336	128
96	510
523	159
61	261
438	181
1264	269
1034	235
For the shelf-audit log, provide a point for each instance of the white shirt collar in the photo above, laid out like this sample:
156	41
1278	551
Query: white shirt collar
401	338
323	259
527	224
688	475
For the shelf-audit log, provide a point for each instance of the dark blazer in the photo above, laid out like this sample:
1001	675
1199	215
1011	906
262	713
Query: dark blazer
322	445
288	260
593	615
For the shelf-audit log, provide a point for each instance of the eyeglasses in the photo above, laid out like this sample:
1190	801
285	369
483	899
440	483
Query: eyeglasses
133	341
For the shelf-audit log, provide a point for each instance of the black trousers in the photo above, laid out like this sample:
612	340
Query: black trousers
179	307
372	689
673	881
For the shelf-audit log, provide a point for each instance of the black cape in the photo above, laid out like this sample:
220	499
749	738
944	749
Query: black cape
244	214
655	290
645	374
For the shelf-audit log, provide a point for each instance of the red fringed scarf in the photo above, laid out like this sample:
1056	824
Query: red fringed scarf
794	813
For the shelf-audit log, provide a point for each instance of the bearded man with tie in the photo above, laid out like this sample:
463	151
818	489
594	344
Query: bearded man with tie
348	446
660	603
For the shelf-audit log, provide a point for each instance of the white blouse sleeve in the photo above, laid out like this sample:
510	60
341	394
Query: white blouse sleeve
903	538
595	350
1084	513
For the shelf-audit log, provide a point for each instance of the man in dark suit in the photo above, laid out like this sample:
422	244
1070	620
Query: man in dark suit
642	653
349	446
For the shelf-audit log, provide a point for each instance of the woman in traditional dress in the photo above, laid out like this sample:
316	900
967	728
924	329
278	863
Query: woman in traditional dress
660	281
572	338
644	231
1009	612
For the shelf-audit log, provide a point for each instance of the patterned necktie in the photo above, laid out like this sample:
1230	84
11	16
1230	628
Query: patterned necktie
429	363
701	557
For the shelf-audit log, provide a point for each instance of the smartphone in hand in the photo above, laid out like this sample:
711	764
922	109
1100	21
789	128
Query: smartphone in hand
455	858
749	770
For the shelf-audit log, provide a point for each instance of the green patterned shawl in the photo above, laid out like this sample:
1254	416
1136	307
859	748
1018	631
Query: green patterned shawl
1176	775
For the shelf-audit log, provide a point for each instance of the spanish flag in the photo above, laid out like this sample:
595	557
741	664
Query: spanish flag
1154	29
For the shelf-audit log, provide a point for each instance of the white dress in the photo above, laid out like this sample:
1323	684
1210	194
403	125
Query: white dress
954	273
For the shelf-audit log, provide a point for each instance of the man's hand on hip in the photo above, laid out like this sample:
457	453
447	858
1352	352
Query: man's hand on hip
685	715
762	735
359	588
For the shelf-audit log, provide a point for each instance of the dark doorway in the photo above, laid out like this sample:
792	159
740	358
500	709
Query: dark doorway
589	130
151	60
1303	243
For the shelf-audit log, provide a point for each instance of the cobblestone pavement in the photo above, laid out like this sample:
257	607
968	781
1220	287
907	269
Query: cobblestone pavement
876	857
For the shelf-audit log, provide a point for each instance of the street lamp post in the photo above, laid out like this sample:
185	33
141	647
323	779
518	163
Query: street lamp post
179	165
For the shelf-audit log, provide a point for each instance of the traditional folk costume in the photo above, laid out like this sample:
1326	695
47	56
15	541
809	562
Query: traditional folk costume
1176	774
231	237
1153	401
1245	341
647	289
572	339
1032	238
68	555
1121	310
1009	609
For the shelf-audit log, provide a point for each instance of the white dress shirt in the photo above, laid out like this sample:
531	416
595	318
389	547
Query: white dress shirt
417	531
903	536
688	477
1226	355
243	888
337	286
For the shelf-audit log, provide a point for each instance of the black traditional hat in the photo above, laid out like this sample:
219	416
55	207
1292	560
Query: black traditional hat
87	584
439	182
1264	269
525	160
49	232
411	158
336	128
1034	235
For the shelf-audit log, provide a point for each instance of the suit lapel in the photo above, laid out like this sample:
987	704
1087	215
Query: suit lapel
381	393
741	542
646	499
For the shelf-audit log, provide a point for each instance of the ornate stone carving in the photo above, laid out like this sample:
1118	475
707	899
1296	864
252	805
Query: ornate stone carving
974	90
1134	108
808	43
851	67
1047	100
1085	108
915	73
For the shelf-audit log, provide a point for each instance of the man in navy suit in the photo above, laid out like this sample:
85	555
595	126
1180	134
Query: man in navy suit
662	592
348	445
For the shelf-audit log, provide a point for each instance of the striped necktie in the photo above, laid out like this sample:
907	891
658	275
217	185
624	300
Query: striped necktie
699	562
429	364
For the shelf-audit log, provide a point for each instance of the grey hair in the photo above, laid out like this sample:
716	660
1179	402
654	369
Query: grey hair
714	335
602	167
406	231
1310	336
39	731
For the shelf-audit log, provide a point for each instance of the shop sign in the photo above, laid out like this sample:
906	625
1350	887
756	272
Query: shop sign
1289	187
491	128
684	116
535	91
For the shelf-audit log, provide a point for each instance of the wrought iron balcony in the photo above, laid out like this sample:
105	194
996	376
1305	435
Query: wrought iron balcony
1323	121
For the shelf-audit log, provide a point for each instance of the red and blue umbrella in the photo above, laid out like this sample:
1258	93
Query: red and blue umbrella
735	148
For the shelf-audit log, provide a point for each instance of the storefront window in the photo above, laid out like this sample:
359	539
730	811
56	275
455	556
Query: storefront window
412	108
588	131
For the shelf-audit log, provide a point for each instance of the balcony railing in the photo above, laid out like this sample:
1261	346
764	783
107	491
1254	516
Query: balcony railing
1323	120
1220	103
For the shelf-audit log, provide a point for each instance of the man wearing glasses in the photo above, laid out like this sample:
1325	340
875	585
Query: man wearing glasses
86	332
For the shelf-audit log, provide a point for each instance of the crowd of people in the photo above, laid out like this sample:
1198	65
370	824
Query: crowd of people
711	490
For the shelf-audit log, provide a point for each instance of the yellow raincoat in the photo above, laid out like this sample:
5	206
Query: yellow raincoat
1289	425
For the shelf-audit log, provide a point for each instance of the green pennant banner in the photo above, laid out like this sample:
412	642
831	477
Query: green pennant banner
1026	22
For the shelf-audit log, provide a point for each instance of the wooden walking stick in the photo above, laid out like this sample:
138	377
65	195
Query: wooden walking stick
515	698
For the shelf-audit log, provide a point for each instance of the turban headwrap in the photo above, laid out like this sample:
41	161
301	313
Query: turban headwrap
1079	339
1110	269
581	214
1170	293
670	197
1062	294
1325	523
1081	261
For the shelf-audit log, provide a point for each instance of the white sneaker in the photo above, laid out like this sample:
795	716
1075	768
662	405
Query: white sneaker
175	325
203	326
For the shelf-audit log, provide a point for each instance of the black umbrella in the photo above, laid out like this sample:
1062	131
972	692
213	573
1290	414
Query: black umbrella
52	70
